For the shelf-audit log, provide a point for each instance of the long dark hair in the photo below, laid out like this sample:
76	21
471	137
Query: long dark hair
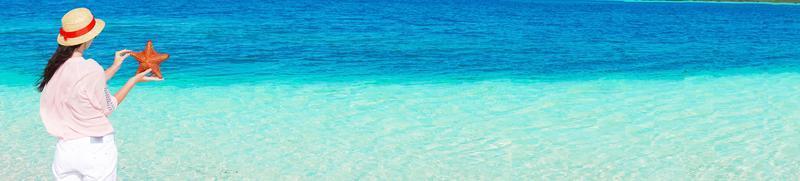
59	57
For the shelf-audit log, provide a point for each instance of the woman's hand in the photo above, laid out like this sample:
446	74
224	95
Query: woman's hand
143	77
140	77
120	56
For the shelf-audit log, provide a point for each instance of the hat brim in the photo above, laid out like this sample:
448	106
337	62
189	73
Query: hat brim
98	27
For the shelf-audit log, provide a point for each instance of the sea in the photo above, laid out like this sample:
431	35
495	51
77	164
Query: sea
427	89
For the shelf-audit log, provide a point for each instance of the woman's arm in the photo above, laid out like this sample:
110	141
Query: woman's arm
140	77
119	57
110	71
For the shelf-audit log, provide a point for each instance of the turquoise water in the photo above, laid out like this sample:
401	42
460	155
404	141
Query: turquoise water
495	90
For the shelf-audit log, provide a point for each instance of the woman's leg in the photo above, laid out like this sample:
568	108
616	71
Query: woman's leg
86	159
104	159
64	165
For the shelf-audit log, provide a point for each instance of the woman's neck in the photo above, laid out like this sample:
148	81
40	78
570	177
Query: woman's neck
77	54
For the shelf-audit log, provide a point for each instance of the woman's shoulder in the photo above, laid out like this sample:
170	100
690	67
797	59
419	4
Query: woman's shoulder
83	66
88	64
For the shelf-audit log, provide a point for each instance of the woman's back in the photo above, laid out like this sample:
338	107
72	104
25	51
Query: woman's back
76	102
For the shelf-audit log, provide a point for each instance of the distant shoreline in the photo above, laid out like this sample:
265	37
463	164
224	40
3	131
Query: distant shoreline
777	2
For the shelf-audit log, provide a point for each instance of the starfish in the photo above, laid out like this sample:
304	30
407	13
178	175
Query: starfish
150	59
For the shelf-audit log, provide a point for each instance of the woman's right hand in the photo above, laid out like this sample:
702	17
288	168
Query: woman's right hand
120	56
143	77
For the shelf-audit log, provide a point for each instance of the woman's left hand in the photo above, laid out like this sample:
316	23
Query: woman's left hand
143	77
120	56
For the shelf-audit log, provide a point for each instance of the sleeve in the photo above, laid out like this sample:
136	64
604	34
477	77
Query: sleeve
95	95
111	101
100	96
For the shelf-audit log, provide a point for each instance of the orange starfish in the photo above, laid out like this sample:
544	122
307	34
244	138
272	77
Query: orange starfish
150	59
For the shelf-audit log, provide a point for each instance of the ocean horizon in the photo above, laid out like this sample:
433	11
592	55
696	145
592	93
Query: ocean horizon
427	90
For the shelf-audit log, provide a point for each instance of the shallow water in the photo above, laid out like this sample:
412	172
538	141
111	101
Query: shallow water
505	90
739	127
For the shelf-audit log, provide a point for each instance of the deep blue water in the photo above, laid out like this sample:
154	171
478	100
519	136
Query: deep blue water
384	41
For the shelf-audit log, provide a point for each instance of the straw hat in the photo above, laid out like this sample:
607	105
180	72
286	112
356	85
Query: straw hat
79	26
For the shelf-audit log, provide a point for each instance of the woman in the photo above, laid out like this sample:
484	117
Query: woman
75	102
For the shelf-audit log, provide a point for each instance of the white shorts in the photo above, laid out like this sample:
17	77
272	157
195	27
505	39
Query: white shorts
89	158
